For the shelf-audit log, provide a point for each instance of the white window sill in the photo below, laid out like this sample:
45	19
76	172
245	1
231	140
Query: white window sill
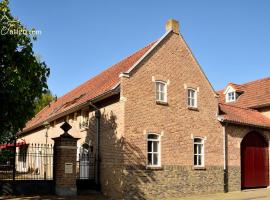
154	167
193	108
165	103
230	101
199	168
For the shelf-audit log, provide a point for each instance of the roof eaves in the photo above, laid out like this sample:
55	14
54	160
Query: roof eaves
73	109
258	106
244	123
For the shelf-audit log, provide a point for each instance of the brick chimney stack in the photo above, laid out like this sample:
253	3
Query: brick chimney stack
173	25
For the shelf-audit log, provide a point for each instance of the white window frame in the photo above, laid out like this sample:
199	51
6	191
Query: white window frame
202	154
190	98
158	91
231	96
152	150
84	119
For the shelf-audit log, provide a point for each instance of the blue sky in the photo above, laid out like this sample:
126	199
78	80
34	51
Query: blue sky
79	39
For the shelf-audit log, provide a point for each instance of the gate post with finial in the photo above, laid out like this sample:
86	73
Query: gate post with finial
65	152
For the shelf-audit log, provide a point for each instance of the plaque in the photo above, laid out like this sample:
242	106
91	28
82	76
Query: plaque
68	168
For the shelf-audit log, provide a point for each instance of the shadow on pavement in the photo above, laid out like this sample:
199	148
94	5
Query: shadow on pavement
80	197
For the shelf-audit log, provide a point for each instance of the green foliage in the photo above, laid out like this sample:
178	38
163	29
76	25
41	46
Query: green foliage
23	78
43	101
6	155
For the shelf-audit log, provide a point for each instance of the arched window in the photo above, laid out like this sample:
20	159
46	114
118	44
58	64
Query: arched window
153	150
198	152
161	91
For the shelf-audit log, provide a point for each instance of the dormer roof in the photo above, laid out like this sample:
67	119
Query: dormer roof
254	94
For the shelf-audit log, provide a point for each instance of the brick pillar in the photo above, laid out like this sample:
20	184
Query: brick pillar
65	152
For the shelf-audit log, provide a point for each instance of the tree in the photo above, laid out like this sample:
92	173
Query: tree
43	101
23	77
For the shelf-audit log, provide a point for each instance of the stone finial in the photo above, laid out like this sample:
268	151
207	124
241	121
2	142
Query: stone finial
65	127
173	25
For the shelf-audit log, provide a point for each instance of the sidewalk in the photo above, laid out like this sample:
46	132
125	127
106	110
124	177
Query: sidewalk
252	194
255	194
82	197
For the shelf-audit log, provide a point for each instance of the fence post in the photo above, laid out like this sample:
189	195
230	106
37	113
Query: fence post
65	152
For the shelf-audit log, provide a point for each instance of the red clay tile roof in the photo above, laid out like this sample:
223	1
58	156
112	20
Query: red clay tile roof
100	84
244	116
254	94
238	88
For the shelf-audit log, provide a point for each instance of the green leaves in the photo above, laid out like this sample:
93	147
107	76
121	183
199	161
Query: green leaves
43	101
23	77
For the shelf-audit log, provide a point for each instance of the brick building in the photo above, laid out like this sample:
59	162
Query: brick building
164	130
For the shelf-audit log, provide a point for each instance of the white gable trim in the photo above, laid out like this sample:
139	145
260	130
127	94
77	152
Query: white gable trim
127	73
229	89
200	68
149	51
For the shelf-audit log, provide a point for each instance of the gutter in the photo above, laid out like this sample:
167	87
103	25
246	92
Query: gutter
260	106
247	124
75	108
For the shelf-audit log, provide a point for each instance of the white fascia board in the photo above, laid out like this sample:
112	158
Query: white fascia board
229	89
148	52
127	73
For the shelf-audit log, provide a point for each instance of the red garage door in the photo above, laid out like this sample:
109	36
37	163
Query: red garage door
254	161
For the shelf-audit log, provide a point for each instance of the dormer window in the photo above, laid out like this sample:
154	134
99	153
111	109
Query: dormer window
232	93
231	96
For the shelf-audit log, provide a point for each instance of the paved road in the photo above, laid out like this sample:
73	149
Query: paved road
258	194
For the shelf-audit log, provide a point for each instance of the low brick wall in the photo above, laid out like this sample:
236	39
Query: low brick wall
172	181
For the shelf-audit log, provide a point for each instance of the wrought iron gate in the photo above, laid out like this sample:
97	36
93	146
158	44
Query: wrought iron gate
85	170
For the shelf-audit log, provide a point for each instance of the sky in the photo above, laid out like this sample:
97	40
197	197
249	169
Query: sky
79	39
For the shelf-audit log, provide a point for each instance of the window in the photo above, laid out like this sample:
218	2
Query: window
161	91
84	119
198	152
192	98
231	96
22	157
153	152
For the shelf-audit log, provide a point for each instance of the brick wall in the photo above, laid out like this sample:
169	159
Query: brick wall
112	119
126	120
171	62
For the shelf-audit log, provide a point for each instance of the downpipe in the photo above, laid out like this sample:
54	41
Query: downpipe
97	174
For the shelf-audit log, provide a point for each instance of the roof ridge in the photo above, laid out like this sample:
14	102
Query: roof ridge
100	83
106	69
250	82
243	84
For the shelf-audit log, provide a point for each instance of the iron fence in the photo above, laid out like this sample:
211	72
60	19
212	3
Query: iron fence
32	162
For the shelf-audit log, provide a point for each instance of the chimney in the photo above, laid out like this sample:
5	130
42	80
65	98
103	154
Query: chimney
173	25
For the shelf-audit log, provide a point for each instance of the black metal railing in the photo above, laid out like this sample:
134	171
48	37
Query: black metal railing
32	162
85	169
